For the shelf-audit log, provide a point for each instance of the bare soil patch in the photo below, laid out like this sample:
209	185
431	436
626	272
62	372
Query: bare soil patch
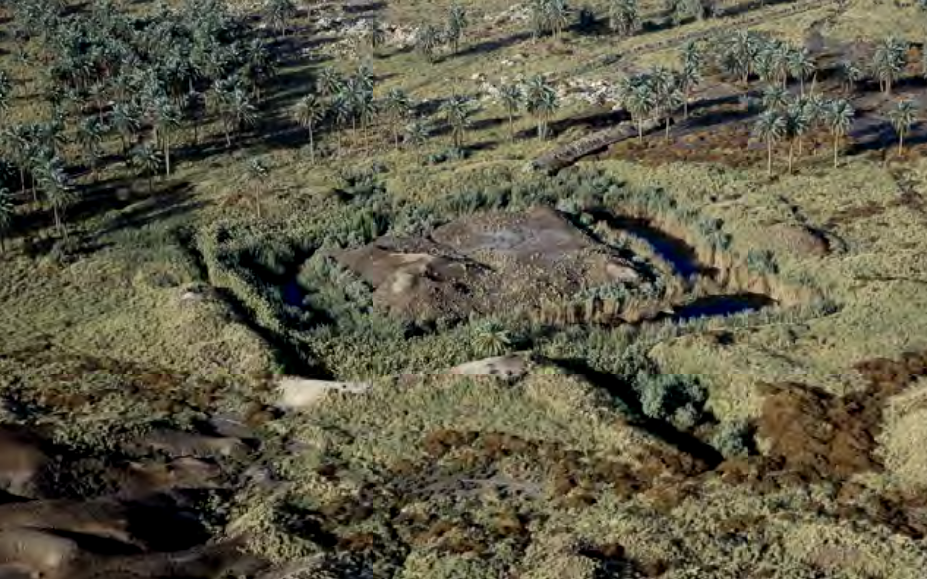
484	264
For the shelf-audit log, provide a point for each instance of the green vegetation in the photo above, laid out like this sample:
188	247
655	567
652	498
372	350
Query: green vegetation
245	252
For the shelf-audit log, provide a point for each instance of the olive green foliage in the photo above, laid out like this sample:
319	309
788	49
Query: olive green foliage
678	399
337	326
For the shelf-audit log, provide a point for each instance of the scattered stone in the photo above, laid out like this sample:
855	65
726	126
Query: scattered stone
103	518
177	443
38	553
502	366
297	393
21	458
229	426
182	473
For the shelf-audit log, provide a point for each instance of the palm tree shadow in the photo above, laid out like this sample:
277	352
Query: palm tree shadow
492	45
596	120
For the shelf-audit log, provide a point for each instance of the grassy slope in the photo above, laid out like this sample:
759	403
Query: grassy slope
124	301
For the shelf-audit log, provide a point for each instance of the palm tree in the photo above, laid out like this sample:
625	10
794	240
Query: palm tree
396	107
623	17
6	84
779	53
457	23
7	211
427	40
194	111
510	98
639	98
329	82
149	159
17	145
775	98
308	112
796	126
416	132
770	127
667	96
342	112
850	74
257	175
812	109
840	115
238	112
742	49
5	98
375	34
279	13
691	73
359	93
58	192
457	111
558	15
889	62
902	117
89	137
680	10
541	101
166	118
801	66
540	17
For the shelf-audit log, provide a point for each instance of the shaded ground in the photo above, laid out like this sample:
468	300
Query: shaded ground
466	496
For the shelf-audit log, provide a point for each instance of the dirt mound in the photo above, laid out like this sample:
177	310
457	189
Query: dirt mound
798	239
486	264
817	436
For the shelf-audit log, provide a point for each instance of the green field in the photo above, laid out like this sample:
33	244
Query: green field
719	330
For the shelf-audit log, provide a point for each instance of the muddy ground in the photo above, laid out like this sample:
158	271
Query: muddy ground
487	264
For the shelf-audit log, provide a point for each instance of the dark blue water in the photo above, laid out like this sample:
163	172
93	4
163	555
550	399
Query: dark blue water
675	251
293	294
722	306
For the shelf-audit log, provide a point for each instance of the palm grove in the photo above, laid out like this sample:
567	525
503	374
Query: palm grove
138	89
116	86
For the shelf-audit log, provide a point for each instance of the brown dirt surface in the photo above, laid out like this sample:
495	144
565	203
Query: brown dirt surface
817	436
486	264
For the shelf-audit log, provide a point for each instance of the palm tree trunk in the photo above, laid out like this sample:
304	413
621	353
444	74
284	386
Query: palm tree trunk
769	149
836	146
666	133
685	104
57	217
640	130
311	145
167	156
901	142
228	137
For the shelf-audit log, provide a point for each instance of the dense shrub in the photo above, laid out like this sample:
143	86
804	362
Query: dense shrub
733	439
671	397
